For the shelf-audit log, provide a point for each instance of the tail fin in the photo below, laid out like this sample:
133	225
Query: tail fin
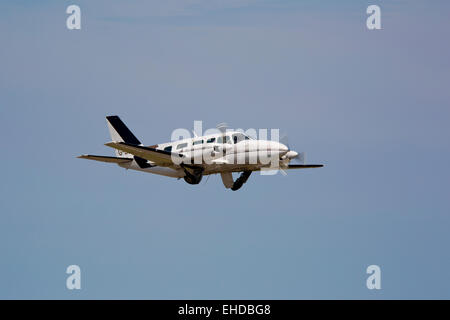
120	133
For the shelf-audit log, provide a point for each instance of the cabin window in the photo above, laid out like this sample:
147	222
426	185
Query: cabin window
169	149
182	145
197	142
224	139
211	140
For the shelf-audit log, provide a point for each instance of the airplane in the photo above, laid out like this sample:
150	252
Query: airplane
221	153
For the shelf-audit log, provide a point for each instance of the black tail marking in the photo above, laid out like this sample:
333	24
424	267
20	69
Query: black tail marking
122	130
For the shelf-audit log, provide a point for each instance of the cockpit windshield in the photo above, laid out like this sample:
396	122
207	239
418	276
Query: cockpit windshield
238	137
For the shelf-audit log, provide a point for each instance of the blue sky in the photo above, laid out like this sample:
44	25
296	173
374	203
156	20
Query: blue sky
373	106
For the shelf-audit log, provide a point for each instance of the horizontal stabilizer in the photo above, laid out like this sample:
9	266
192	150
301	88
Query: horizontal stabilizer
105	158
160	157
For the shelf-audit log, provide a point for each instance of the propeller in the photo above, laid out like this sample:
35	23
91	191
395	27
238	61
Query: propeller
300	158
285	140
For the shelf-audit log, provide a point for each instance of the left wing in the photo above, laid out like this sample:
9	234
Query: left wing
291	166
303	166
159	157
105	158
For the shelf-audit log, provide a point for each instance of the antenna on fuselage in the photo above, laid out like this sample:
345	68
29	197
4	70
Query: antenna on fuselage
197	128
222	127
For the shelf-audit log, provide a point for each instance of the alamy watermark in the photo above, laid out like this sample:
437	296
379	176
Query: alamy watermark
224	146
73	21
373	22
73	281
374	280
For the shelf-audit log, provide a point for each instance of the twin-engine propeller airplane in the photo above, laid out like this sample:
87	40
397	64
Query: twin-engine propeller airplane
224	152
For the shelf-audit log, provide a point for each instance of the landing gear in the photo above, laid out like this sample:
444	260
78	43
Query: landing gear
191	179
241	180
227	179
193	176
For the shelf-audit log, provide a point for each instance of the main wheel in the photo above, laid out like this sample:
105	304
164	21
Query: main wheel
191	179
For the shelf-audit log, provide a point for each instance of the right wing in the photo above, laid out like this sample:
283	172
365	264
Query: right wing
303	166
105	158
159	157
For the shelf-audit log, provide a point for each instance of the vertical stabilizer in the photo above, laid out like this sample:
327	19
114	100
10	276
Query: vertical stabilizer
120	133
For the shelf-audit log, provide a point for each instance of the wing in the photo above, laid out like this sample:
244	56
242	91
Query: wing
291	166
105	158
159	157
304	166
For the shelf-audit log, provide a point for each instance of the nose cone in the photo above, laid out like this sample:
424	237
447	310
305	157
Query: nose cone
283	148
276	147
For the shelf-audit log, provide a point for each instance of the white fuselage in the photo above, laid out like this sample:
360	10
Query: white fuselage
225	152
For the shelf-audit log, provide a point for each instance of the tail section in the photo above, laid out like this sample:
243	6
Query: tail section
120	133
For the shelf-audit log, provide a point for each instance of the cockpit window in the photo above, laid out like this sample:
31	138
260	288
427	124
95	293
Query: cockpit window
197	142
211	140
224	139
169	148
238	137
182	145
